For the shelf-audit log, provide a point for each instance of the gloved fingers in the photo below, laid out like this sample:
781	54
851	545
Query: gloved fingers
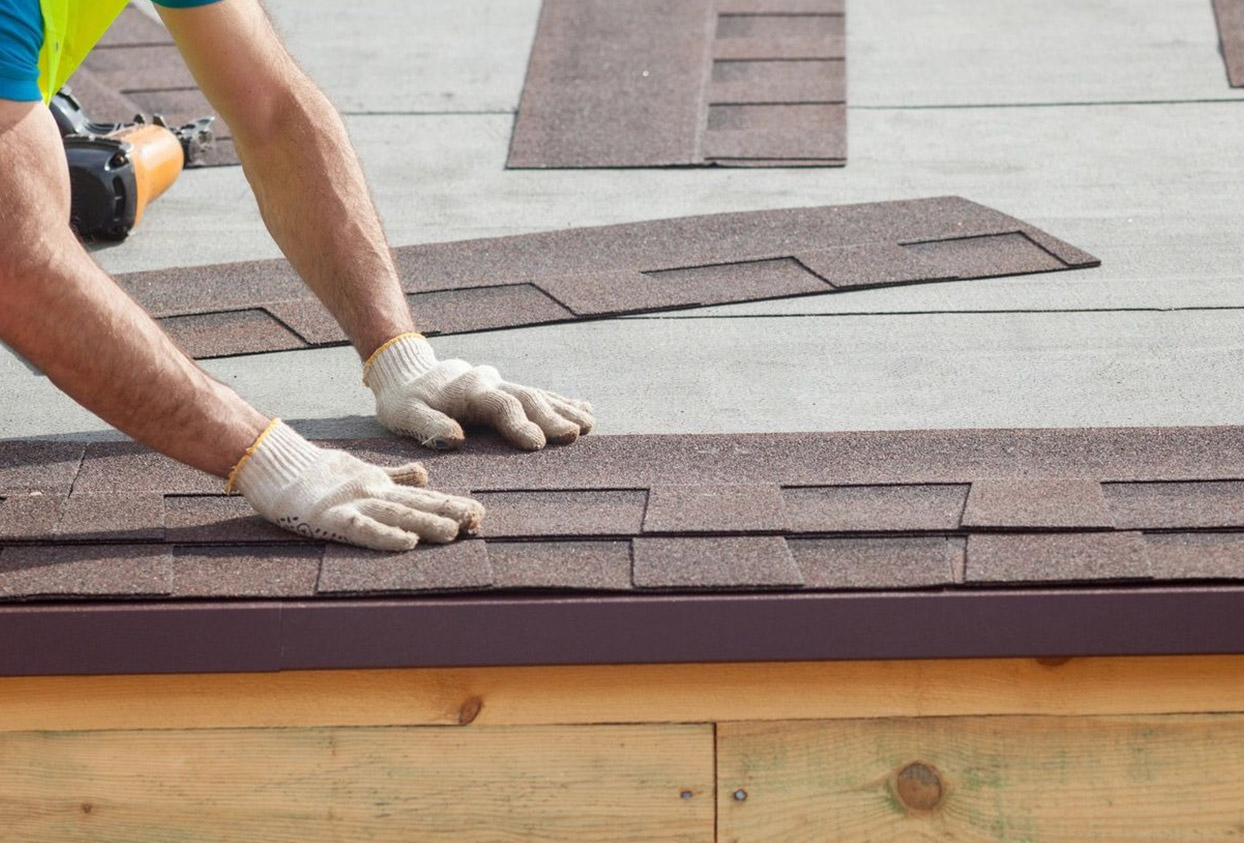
355	527
410	474
431	428
569	411
505	412
541	411
465	511
581	406
425	525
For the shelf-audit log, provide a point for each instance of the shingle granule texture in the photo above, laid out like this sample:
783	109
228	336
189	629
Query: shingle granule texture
950	510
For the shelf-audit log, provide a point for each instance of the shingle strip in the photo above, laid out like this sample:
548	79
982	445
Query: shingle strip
579	273
704	513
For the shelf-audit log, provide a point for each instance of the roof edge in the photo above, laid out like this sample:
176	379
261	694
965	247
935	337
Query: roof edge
217	637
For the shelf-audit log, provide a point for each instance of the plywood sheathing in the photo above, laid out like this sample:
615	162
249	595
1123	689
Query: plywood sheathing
584	273
656	84
836	511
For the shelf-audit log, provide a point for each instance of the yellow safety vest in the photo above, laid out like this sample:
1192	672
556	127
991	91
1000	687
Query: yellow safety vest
71	28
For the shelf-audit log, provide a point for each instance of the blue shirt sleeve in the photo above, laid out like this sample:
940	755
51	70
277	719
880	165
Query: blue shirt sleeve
21	39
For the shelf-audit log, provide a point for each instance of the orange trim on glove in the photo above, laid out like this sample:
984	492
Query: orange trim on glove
250	452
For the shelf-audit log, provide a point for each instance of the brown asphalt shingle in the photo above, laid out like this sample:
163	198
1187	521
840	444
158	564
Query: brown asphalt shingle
649	83
584	273
816	511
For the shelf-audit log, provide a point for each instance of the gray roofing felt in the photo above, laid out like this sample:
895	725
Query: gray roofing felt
1230	16
650	84
815	511
581	273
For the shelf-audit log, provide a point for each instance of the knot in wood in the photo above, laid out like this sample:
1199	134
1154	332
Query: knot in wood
469	710
919	787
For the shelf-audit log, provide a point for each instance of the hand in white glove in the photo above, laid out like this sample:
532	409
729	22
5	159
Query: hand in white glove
420	397
332	495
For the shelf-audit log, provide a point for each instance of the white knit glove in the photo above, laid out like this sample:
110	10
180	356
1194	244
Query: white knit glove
332	495
420	397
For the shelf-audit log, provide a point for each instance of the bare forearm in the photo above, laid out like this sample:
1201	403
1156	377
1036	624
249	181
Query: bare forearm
314	201
65	315
69	319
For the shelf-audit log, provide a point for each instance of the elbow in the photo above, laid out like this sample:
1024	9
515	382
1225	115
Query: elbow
289	107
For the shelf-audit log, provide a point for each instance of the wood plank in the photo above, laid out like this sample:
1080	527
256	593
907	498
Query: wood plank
983	779
626	694
571	784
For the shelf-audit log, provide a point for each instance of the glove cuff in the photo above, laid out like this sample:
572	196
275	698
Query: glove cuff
398	362
276	460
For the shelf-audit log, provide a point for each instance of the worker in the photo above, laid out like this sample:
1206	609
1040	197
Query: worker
64	314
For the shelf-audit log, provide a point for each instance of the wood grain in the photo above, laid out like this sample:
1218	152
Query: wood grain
627	694
1176	777
433	785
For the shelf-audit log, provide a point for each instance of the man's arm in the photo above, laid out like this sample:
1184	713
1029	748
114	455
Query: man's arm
297	157
68	317
64	314
299	161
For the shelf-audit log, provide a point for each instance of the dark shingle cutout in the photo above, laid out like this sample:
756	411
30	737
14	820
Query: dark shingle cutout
626	84
246	572
714	509
566	512
1176	505
1230	17
595	565
837	509
1056	557
462	565
877	563
781	7
708	563
1037	503
85	570
231	332
594	272
736	82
